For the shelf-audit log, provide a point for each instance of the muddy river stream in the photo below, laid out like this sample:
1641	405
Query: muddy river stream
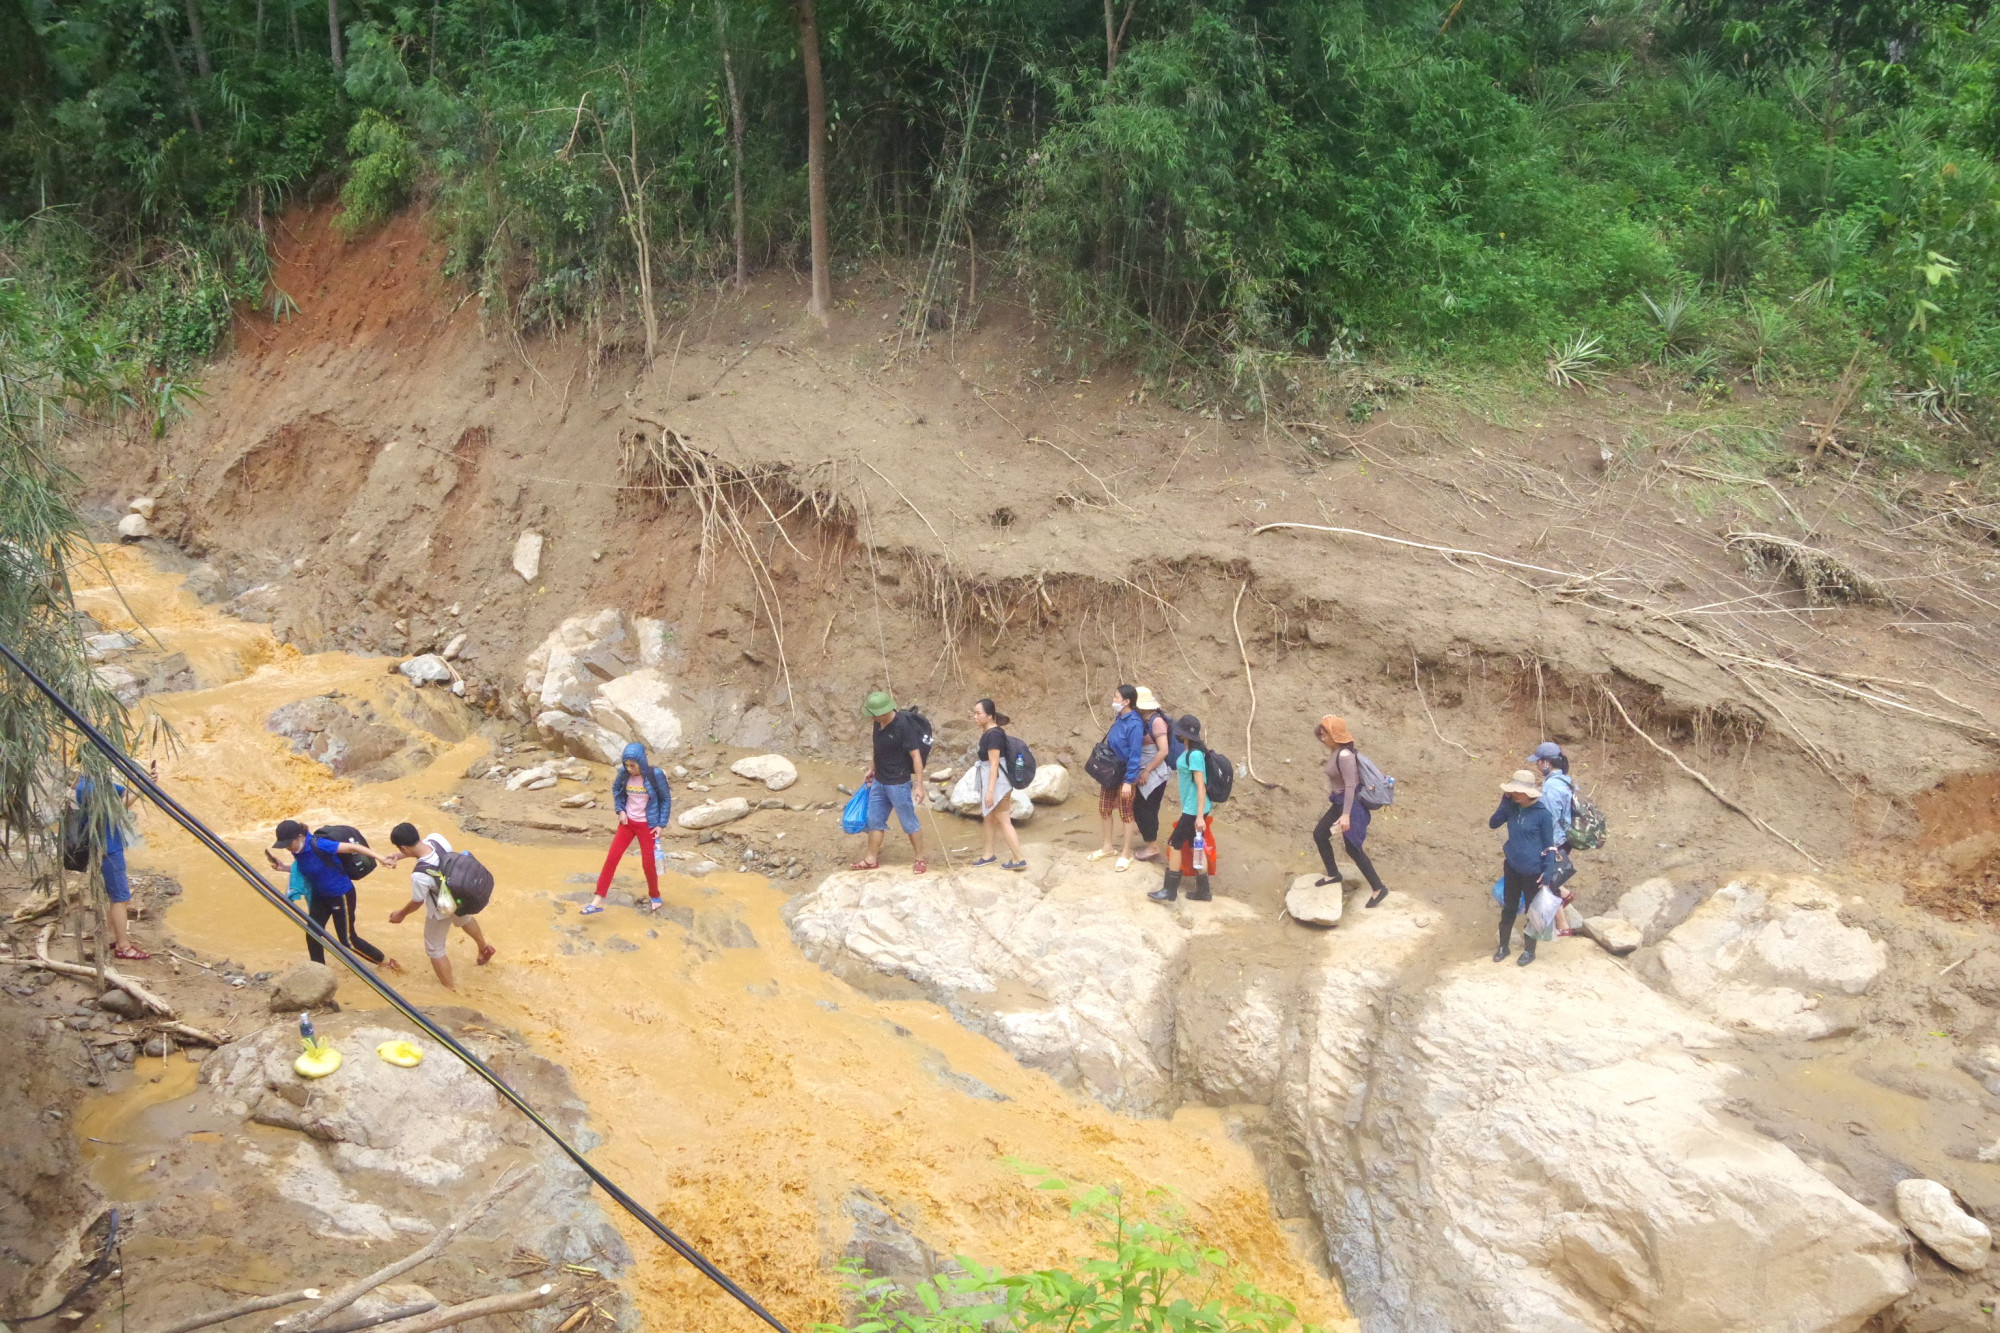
741	1092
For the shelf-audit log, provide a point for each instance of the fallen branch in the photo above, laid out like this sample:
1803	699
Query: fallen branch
1249	764
1570	575
252	1306
355	1290
112	976
359	1322
533	1299
190	1034
1710	787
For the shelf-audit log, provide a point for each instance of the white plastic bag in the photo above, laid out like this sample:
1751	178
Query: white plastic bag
1542	914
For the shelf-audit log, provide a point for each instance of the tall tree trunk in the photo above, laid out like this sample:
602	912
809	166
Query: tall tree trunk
201	65
333	33
180	77
735	145
1114	34
292	16
257	43
821	305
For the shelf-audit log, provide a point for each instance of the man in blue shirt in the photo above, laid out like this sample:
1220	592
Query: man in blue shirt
329	892
111	865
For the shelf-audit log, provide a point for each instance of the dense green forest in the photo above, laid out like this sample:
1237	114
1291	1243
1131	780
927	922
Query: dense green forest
1731	188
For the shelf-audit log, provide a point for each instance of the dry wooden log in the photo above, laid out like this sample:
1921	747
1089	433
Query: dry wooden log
112	976
532	1299
252	1306
355	1290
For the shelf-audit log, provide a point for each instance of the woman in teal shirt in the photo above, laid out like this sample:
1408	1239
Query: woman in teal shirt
1196	812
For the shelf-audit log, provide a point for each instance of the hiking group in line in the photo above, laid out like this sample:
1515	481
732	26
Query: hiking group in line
1144	746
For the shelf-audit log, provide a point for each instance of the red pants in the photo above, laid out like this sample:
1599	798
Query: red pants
1183	838
619	842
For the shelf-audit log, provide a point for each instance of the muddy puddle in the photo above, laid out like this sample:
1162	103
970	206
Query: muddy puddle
741	1092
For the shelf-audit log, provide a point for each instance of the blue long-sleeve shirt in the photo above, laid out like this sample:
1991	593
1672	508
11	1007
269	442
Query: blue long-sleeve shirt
1127	738
1559	795
1531	836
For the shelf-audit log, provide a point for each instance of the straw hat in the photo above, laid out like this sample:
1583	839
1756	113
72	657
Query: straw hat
1523	783
1335	730
1146	702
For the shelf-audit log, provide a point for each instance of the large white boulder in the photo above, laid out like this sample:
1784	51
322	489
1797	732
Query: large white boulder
1539	1148
1312	902
134	526
1656	906
638	700
427	669
1070	968
1771	956
1051	785
579	737
579	655
773	770
711	814
528	556
1934	1217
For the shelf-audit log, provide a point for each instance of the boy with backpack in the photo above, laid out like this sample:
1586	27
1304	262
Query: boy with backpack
452	888
329	866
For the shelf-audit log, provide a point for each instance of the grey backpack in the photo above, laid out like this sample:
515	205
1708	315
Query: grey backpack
1377	788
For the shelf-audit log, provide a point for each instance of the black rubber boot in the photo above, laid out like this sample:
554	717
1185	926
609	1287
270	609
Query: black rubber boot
1500	954
1168	890
1527	955
1200	893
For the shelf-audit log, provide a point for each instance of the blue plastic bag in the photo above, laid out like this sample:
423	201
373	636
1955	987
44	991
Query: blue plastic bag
854	819
1500	891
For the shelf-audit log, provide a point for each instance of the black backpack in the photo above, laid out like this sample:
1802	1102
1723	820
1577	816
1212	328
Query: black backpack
1221	777
76	839
923	724
1020	763
356	865
470	883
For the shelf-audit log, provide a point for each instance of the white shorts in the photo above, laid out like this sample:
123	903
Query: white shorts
437	933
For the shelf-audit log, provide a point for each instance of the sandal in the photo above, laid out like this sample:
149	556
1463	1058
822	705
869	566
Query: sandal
1097	855
591	909
870	864
918	868
652	904
1124	864
131	953
985	860
486	955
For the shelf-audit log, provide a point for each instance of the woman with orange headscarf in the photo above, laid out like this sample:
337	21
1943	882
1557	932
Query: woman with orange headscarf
1345	814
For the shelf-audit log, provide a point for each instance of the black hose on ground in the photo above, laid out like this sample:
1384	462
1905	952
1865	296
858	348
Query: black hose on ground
142	781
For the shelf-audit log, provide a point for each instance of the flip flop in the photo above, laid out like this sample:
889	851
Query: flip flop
1124	864
486	955
591	909
919	868
986	860
652	904
1097	855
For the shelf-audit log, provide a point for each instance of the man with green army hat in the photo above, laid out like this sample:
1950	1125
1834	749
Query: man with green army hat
896	779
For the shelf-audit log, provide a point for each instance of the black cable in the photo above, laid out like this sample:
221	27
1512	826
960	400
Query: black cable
143	781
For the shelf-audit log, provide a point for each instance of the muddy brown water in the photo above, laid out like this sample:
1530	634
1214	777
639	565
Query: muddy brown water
742	1092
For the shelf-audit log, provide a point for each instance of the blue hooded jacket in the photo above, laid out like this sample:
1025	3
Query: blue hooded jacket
1127	738
659	796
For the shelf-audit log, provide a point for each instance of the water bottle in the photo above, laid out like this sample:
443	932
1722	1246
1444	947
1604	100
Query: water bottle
306	1033
1200	852
660	854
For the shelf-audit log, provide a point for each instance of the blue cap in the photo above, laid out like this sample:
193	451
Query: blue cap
1546	750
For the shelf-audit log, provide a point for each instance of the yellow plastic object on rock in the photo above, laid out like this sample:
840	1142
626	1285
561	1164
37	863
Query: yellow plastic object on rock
400	1052
319	1060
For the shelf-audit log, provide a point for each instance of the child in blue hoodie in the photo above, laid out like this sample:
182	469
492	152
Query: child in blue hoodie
640	795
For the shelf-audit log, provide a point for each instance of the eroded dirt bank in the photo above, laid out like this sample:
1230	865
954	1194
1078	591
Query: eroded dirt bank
967	524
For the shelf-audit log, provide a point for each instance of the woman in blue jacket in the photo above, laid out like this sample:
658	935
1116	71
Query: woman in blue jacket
640	795
1127	738
1529	857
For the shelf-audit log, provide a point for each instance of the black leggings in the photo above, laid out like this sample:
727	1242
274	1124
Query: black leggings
1517	891
1323	835
340	911
1146	813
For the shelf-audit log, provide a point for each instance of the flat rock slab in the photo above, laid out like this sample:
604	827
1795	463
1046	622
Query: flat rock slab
710	814
1934	1217
1313	903
1615	933
773	770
